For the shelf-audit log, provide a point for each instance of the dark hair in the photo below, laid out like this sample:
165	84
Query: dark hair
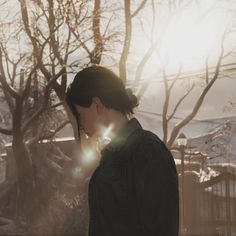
98	81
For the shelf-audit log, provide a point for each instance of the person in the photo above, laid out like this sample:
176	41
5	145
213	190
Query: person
134	189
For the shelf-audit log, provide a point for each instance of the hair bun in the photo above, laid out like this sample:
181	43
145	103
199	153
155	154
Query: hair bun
132	98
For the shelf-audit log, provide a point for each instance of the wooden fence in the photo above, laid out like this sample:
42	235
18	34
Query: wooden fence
210	206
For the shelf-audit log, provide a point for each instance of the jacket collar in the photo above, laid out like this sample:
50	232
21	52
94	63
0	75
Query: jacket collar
122	135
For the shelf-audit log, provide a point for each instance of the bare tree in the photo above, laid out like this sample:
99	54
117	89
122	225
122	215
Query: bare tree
26	180
98	40
170	81
18	74
61	35
53	33
128	36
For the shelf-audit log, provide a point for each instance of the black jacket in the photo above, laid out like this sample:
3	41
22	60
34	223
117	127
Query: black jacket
134	190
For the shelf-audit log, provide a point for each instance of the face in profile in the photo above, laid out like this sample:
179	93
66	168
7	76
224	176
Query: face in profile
96	98
91	118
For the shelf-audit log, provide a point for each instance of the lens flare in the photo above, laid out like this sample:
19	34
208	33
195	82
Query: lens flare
189	38
106	131
76	172
105	138
88	157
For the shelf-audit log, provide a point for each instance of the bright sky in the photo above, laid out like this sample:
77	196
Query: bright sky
184	39
187	39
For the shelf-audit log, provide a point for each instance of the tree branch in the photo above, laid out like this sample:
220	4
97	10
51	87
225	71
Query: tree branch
165	107
51	25
45	101
140	7
26	91
97	37
49	136
207	71
126	45
4	83
200	100
6	131
179	102
176	78
144	60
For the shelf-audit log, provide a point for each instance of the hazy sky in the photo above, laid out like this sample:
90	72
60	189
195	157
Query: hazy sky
213	106
188	39
185	40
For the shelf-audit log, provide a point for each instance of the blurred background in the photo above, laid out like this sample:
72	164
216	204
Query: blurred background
178	56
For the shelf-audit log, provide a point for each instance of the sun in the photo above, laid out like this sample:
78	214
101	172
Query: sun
189	37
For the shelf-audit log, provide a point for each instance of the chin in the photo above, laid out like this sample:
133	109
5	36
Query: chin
90	135
94	135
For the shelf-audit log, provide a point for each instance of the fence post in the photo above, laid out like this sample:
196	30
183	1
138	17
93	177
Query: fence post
228	213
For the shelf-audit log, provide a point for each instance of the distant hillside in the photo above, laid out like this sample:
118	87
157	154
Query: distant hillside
219	143
194	128
153	123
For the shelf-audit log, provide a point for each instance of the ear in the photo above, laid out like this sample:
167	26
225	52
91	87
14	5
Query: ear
98	105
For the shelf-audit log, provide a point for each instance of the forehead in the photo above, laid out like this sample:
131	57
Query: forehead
83	110
80	108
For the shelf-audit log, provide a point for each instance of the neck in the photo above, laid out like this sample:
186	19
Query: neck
116	120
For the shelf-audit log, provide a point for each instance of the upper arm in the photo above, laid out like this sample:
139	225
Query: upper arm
156	187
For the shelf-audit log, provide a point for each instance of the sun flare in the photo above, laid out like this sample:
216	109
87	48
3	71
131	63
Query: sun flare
189	37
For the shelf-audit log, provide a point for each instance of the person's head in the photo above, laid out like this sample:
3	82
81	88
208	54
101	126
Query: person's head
94	91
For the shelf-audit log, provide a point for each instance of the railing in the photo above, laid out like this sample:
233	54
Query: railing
210	206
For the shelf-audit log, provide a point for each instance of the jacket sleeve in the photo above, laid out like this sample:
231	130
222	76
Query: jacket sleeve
154	176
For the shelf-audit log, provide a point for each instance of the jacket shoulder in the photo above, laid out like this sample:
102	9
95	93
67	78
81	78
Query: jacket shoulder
144	145
142	138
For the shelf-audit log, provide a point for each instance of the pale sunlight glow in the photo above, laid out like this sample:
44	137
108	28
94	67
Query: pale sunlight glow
189	39
88	157
106	135
106	131
77	171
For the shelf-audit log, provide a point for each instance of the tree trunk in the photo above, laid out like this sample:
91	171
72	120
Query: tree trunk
97	37
126	46
25	177
25	172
